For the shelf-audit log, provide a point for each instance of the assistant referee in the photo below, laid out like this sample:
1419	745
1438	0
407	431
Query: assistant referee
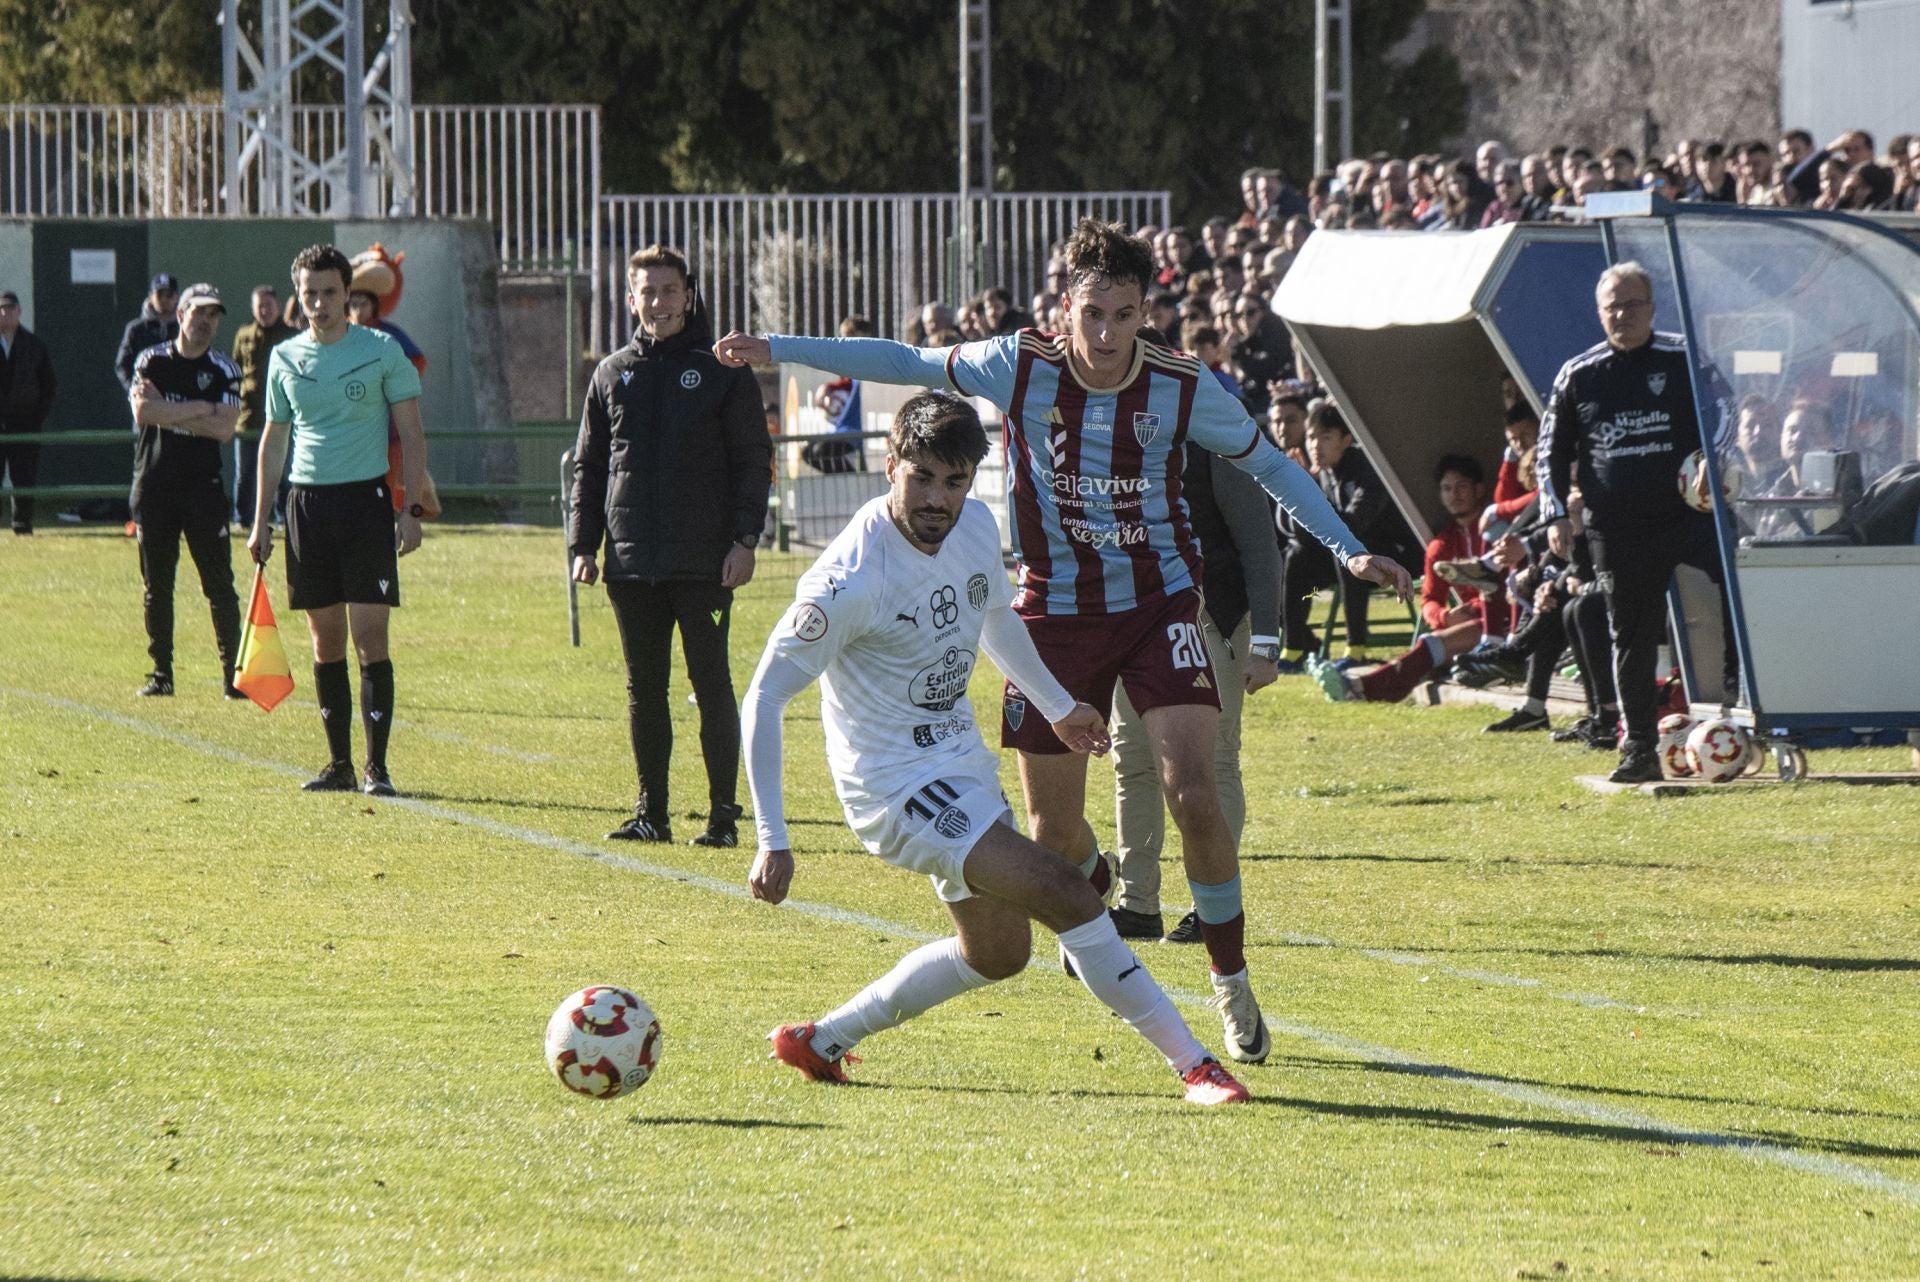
335	387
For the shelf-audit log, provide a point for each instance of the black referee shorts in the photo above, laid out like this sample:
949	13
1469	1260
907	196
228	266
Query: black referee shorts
340	545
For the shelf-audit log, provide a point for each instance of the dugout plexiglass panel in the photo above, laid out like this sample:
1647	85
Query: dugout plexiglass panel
1810	326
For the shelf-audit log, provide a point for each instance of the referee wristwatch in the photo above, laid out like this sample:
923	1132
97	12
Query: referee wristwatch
1269	650
748	541
416	511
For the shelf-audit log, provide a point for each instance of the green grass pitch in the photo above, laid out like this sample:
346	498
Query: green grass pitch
1521	1031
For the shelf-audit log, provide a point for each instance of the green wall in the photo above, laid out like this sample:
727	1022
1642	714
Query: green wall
448	307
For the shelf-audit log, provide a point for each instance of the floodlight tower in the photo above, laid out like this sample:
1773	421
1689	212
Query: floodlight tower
303	167
976	126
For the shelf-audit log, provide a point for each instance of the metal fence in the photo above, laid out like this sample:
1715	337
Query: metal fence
534	172
798	264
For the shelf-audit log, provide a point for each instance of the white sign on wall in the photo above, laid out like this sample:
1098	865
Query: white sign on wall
93	266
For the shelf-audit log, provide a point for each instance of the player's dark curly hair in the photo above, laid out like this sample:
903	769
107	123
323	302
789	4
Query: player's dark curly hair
938	426
1104	249
322	258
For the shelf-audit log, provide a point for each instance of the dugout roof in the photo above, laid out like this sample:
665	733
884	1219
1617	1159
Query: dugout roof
1412	332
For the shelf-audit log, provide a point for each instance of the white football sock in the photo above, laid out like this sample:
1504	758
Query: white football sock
1113	974
922	980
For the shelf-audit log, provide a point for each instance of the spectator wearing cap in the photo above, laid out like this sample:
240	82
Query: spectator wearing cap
26	397
155	324
252	344
186	402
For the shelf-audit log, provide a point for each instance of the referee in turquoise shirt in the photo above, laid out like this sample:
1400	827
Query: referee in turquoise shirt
335	386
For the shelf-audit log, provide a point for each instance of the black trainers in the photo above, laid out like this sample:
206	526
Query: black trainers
337	777
1133	925
1519	719
1496	666
1185	931
1604	736
159	685
1637	765
377	782
642	828
1578	732
722	828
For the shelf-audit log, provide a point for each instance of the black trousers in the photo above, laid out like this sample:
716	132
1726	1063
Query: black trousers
1306	568
199	512
1635	565
647	614
20	462
1589	632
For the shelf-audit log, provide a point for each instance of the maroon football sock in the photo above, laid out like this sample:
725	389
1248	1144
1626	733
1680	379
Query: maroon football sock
1392	682
1226	944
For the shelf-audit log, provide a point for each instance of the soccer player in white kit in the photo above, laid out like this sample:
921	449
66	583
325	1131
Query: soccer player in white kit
889	620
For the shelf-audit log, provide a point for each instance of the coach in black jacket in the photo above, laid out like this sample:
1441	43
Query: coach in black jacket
156	324
1623	412
670	472
26	397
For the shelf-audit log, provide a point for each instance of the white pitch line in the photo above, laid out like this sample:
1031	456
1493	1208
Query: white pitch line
1830	1168
1393	957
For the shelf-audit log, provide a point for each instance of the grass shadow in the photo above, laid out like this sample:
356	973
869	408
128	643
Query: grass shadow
1355	856
729	1123
1322	1063
1790	960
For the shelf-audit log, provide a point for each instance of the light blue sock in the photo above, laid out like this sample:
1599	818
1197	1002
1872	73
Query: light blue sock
1216	904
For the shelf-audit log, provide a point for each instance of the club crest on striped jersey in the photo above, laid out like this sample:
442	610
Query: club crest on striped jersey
1145	427
1016	708
977	591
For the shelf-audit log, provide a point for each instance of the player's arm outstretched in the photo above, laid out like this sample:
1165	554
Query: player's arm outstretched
984	368
827	612
1220	424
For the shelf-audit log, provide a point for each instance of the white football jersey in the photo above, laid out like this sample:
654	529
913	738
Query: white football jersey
893	634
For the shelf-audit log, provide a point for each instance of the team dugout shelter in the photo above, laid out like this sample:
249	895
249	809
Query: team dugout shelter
1413	332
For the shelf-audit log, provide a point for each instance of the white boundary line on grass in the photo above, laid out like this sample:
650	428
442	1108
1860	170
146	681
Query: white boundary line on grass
1829	1168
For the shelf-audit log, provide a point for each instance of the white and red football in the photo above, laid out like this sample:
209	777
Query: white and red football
1674	729
603	1041
1693	486
1717	749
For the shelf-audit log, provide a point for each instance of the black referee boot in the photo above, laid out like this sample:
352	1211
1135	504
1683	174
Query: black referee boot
722	829
159	685
644	826
337	777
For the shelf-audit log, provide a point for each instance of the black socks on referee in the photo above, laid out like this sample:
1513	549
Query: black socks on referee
376	708
334	689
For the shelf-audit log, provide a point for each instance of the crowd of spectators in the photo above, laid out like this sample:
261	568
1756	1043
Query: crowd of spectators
1505	599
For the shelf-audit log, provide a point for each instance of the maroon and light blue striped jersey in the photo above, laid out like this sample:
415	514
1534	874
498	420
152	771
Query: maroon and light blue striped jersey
1093	475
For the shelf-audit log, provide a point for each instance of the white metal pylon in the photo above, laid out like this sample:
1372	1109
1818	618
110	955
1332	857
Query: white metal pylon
281	158
976	130
1332	53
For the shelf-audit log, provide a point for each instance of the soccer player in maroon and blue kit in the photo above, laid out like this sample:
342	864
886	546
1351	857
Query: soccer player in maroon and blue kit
1108	566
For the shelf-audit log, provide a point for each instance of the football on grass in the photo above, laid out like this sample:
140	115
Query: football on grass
1717	750
603	1041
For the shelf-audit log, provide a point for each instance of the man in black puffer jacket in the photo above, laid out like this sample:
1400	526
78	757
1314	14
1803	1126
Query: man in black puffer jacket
670	472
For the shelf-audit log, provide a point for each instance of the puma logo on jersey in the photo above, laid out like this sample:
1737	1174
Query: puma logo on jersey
1128	971
913	618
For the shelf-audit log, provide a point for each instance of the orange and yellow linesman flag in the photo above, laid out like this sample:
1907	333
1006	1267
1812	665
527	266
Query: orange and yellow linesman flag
263	676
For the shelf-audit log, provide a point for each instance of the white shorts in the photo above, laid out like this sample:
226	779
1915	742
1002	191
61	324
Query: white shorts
932	827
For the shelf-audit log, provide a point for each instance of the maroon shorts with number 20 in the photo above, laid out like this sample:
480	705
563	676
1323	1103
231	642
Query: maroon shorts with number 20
1156	649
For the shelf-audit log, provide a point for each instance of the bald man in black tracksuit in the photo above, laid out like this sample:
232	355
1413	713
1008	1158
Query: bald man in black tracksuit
1624	412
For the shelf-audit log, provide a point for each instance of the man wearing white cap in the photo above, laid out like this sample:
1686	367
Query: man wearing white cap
186	400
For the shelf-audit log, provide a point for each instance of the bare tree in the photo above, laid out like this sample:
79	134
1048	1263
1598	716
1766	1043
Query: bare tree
1606	72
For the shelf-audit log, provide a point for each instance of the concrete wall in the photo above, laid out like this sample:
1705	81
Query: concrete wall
1849	65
